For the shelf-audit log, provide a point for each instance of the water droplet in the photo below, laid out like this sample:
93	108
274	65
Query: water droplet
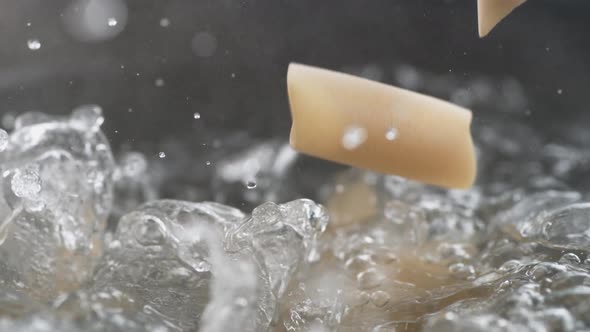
26	183
162	154
159	82
559	91
353	137
379	298
112	21
151	232
196	116
164	22
250	184
3	140
391	134
28	24
34	44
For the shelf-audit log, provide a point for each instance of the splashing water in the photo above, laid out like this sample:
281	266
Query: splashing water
384	254
33	44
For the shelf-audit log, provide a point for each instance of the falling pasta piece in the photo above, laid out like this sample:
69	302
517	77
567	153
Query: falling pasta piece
491	12
371	125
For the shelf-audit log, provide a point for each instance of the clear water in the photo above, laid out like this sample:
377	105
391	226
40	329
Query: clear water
89	245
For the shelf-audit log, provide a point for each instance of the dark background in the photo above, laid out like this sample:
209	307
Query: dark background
545	45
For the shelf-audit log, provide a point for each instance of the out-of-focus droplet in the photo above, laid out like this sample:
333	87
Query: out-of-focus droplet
354	137
95	20
133	164
196	116
559	91
33	44
208	163
162	154
204	44
159	82
3	140
391	134
26	183
164	22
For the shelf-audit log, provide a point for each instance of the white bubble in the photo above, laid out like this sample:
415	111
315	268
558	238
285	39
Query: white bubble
28	24
159	82
196	116
164	22
391	134
3	140
33	44
204	44
85	19
162	155
353	137
26	183
251	184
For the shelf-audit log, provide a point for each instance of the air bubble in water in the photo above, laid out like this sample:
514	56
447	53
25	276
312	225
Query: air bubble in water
379	298
162	154
196	116
369	278
33	44
3	140
26	183
353	137
250	184
391	134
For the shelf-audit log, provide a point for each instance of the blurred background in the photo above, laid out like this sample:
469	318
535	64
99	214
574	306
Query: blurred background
152	64
193	73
